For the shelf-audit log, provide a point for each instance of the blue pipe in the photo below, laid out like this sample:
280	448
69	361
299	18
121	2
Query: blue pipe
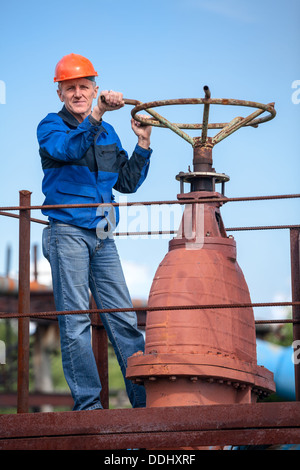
278	359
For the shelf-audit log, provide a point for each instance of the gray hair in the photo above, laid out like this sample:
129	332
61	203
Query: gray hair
92	79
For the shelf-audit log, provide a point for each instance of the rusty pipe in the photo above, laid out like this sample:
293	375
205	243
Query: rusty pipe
205	115
207	92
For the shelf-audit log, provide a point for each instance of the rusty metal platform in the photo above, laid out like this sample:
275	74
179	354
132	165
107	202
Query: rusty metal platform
156	428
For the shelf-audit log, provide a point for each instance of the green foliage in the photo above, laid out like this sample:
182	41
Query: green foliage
283	335
115	377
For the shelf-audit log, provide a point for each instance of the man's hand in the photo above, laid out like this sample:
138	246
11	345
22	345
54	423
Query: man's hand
110	100
142	131
113	100
107	101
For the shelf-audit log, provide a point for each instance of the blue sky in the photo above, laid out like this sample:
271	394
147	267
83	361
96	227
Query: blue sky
161	50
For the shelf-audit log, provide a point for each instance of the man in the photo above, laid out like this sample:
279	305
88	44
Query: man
83	159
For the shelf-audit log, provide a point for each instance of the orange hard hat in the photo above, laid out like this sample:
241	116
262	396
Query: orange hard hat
74	66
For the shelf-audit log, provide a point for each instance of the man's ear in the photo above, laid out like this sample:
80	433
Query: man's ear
96	89
60	95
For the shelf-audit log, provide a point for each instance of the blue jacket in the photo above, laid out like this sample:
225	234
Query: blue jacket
82	163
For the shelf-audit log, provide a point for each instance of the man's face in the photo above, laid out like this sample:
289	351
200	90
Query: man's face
78	95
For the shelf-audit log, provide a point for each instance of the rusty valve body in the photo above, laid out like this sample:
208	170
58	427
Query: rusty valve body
204	356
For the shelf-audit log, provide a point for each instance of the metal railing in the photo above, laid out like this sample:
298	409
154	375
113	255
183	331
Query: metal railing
99	335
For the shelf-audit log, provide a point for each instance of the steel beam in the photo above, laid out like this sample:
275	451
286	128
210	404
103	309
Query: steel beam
240	424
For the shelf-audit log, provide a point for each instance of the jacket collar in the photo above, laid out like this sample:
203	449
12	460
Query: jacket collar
71	121
68	118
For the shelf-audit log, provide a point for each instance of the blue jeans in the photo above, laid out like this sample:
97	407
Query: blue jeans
80	260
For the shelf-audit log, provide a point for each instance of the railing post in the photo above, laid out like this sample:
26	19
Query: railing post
24	303
100	349
295	273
